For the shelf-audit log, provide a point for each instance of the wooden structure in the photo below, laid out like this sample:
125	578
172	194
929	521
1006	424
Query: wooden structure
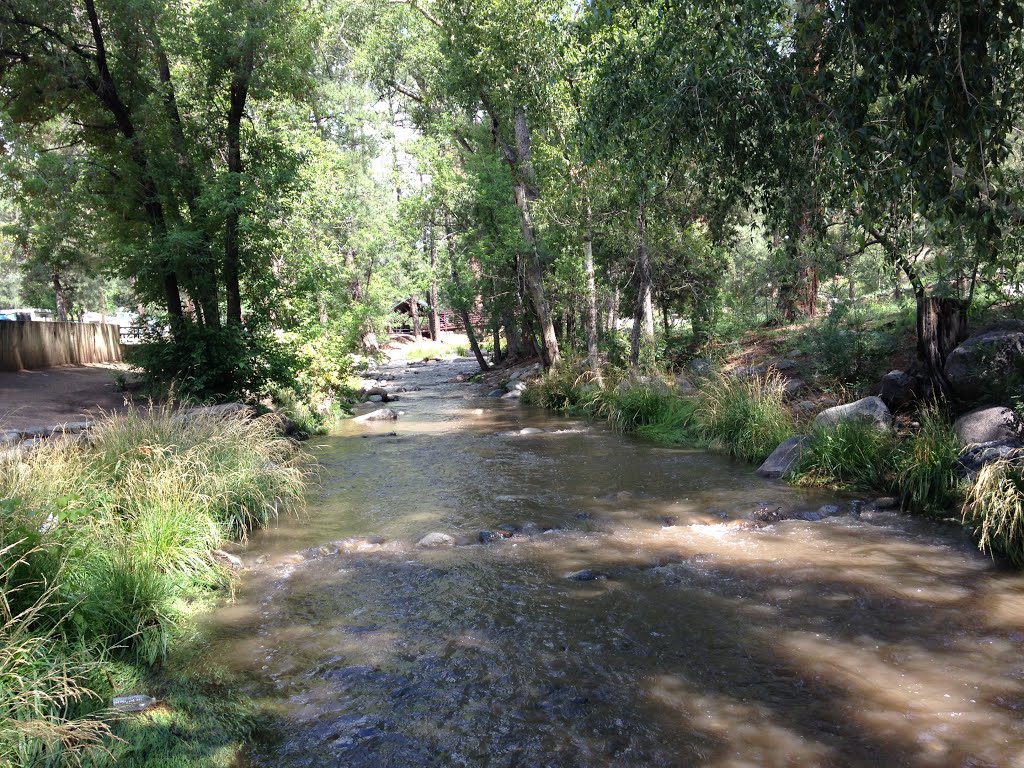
449	320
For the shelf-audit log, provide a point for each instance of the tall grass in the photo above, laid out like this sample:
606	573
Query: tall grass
105	546
926	465
42	681
995	509
747	417
849	454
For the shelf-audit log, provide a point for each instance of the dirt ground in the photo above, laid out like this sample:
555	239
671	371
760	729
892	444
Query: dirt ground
59	395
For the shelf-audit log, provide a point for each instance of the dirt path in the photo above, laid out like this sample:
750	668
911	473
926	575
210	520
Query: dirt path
59	395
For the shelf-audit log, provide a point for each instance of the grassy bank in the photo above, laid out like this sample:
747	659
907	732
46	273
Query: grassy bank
747	417
105	557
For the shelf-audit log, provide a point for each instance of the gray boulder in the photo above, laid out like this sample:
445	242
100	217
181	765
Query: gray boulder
382	414
989	366
436	540
898	390
870	410
976	456
783	458
985	425
496	393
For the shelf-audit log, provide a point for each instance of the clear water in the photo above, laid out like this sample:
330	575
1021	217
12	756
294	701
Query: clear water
876	640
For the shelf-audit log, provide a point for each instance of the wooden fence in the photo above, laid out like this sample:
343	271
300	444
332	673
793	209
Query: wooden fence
26	344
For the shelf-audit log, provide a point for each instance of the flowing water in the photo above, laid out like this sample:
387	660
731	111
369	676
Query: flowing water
689	638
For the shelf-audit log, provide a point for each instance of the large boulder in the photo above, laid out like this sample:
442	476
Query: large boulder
985	425
783	458
870	410
989	366
898	390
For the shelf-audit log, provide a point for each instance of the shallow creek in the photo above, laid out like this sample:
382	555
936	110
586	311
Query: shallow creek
872	640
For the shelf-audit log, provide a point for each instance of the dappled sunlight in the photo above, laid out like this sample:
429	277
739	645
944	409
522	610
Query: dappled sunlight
627	609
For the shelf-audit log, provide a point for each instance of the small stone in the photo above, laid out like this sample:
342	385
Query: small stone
530	431
231	561
496	393
375	398
486	537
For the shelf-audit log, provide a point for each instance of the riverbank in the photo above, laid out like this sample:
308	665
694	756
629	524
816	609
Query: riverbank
111	545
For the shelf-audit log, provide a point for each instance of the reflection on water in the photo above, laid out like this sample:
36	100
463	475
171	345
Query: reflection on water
627	620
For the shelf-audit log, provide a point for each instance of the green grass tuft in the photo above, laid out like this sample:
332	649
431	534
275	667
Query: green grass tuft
747	417
995	510
849	454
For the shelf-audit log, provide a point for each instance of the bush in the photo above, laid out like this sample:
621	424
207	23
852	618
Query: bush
850	454
748	417
926	465
226	363
995	510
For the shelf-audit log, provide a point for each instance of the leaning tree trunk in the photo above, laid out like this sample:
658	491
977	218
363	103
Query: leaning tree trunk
643	319
462	308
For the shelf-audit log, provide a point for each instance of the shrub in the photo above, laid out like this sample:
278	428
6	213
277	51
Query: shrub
995	509
926	464
748	417
565	389
850	454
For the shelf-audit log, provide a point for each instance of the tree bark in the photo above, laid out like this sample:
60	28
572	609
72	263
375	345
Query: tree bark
239	93
941	326
643	318
588	267
462	308
60	298
525	189
414	313
435	314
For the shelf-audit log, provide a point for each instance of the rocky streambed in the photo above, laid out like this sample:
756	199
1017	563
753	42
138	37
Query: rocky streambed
479	583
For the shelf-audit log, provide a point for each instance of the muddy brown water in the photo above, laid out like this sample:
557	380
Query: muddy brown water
876	640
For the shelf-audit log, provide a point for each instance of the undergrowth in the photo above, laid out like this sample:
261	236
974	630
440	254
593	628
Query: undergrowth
105	555
747	417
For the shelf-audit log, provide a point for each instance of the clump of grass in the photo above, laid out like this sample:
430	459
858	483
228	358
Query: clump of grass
926	464
676	423
43	683
995	509
747	417
848	454
565	389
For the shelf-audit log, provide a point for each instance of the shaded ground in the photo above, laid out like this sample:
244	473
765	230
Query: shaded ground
59	395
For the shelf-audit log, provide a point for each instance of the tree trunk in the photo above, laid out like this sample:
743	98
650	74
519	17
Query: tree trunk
60	298
643	318
941	326
591	324
497	355
513	348
232	251
435	314
613	310
462	309
535	282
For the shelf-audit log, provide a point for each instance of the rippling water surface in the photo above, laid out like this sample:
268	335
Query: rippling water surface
689	639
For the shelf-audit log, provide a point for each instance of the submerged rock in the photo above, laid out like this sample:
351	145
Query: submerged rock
231	561
586	575
382	414
436	540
